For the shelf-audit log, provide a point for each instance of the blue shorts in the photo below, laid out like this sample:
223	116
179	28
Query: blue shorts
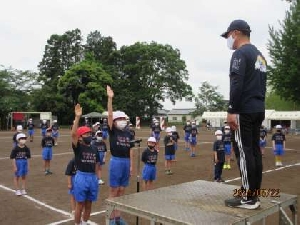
30	132
47	153
22	167
262	143
169	157
119	172
85	187
187	137
44	132
193	140
71	191
55	134
104	134
227	149
278	150
101	156
156	135
149	172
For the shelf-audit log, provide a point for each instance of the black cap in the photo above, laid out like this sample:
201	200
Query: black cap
240	25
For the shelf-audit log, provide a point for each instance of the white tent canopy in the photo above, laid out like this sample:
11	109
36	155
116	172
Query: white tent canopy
284	115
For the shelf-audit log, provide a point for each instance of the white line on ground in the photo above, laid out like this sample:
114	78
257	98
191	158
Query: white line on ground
267	171
35	156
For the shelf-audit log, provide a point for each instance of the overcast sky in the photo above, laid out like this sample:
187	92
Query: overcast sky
192	26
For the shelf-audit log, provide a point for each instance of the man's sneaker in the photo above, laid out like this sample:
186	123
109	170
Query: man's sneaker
23	192
18	193
242	203
221	180
101	182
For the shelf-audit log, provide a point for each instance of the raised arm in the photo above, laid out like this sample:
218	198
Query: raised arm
78	113
110	95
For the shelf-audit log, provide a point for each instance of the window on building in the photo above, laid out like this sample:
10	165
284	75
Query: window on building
174	118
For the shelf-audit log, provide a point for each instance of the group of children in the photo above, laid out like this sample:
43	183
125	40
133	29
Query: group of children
222	148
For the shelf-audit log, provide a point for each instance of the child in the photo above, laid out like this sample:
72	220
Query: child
219	156
86	160
263	140
169	151
44	127
55	132
100	146
20	155
121	162
187	133
70	173
227	143
47	144
156	133
19	130
30	128
278	142
176	137
104	129
193	139
149	157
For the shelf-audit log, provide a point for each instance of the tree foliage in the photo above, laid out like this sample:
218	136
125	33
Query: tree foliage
85	82
273	101
284	50
209	99
149	73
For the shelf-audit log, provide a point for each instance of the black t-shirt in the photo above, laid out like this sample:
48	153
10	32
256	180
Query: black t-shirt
279	138
169	145
175	136
100	146
226	138
47	141
55	127
263	133
86	158
30	126
44	126
156	128
220	149
247	80
120	142
149	157
187	128
71	168
194	131
20	153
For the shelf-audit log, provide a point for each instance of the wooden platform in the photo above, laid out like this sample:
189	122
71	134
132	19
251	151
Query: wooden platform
198	202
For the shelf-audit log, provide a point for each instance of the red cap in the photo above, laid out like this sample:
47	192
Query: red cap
83	130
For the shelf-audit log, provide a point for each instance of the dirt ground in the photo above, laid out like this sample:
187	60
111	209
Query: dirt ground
47	201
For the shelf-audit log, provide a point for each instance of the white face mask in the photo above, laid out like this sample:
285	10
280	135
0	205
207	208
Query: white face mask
227	131
219	138
99	138
22	141
121	124
230	42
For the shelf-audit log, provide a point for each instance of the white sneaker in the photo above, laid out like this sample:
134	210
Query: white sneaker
280	164
101	182
23	192
276	163
18	193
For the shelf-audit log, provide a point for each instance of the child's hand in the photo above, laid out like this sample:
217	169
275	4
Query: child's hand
78	110
109	91
70	186
15	169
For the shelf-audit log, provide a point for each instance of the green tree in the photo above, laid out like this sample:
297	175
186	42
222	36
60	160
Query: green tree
148	74
274	101
284	50
85	82
209	99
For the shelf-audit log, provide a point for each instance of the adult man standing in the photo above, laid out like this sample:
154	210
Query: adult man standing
246	110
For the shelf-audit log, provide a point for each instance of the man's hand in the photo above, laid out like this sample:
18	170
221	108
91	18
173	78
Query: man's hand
78	110
232	121
109	91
